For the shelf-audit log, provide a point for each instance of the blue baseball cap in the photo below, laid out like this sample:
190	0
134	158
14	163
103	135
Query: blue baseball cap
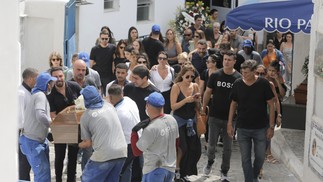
247	43
155	28
155	99
85	57
92	98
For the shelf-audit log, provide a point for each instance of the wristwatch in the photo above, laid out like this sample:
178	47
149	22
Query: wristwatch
280	115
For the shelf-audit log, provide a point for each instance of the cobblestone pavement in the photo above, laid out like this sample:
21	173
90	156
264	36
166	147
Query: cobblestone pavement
272	172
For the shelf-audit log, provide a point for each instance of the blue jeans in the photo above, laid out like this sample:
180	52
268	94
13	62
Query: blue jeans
37	154
215	127
86	154
159	175
245	139
102	171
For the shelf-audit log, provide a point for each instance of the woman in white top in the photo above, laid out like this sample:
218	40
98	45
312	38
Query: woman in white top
163	77
286	48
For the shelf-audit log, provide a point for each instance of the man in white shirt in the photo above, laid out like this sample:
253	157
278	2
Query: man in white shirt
128	114
24	93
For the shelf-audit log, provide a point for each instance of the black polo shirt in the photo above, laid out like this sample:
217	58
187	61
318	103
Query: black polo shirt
58	102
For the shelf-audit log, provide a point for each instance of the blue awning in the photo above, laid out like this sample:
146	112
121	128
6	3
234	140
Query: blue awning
284	16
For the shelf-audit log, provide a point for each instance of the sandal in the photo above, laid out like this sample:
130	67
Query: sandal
270	159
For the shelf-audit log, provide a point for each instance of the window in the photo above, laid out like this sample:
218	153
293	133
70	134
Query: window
143	10
111	4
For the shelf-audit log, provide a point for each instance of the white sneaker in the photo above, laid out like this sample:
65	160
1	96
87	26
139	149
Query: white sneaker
224	177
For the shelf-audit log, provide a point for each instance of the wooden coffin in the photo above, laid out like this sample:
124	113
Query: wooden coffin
65	127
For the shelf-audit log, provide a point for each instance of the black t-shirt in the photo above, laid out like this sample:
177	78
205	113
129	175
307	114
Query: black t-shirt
103	57
58	102
221	85
138	95
198	62
152	48
252	103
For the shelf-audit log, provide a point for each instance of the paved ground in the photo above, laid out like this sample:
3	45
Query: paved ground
272	172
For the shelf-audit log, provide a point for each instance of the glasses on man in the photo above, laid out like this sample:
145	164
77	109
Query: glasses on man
187	35
104	39
189	76
161	58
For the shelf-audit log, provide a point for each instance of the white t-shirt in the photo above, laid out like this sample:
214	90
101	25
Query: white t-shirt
128	114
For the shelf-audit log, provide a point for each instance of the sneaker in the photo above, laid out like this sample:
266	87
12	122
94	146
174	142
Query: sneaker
224	177
208	168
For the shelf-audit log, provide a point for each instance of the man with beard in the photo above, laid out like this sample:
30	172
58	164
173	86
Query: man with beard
200	56
121	75
236	41
63	95
33	142
79	71
248	52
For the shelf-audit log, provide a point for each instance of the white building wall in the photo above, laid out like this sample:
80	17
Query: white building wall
43	32
9	75
92	18
314	98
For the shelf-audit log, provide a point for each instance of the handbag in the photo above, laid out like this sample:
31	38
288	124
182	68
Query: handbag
201	121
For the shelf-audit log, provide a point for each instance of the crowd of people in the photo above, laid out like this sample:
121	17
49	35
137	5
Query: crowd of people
142	98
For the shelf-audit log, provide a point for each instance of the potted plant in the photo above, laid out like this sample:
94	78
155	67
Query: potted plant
300	93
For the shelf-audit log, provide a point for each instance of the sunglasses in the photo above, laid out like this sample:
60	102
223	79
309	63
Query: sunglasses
160	58
104	38
57	59
142	62
121	47
189	76
260	73
187	35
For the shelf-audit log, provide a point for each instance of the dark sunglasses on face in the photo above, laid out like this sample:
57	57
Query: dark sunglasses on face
121	47
104	38
260	73
160	58
187	35
57	59
189	76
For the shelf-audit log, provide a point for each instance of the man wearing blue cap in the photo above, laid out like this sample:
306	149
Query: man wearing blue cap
33	141
101	130
157	142
153	45
248	52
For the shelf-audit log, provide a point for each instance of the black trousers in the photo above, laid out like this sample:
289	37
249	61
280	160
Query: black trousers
60	150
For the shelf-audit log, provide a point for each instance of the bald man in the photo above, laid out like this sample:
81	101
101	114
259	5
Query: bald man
79	72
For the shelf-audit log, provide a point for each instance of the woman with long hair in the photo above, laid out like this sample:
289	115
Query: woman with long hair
137	45
185	99
172	47
119	55
132	35
132	63
215	38
163	77
286	48
56	60
198	35
262	71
